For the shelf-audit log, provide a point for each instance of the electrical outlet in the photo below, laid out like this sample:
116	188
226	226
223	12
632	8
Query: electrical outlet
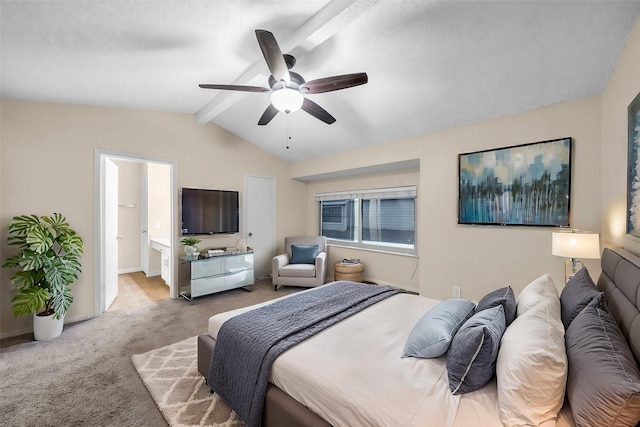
456	291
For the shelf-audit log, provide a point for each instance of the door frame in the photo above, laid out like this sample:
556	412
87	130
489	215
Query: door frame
99	207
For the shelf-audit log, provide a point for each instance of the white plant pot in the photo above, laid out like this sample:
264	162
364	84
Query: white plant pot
46	327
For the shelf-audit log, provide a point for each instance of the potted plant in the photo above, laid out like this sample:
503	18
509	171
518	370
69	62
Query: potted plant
190	245
48	260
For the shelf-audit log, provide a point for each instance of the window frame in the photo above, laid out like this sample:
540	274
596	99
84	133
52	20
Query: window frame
406	192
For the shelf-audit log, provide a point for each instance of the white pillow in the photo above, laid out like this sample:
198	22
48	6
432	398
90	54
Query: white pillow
541	289
531	368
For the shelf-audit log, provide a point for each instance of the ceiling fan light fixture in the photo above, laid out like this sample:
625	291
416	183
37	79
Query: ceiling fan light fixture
287	100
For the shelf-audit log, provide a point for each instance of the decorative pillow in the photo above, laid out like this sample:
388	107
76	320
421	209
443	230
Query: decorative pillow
503	296
603	385
578	292
531	369
303	254
541	289
471	361
431	336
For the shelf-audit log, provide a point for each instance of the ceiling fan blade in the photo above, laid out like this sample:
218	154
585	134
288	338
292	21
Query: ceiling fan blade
236	87
317	111
329	84
268	114
273	56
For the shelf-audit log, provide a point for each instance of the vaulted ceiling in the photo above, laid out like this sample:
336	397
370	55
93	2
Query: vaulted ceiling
431	64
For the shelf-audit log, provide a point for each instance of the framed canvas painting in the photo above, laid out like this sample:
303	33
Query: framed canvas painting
633	169
527	184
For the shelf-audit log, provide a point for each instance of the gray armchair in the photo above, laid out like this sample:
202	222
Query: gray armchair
309	273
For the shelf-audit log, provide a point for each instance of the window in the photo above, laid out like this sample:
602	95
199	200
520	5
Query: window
382	219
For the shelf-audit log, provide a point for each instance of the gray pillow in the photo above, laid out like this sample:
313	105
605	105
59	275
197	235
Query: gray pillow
471	361
503	296
577	293
431	336
603	383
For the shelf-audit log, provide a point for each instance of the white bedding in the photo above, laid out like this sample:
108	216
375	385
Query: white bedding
352	374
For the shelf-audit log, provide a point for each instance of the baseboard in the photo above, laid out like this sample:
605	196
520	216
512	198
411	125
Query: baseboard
67	320
153	273
129	270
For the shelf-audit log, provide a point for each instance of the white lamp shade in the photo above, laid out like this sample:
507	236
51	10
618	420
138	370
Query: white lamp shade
287	100
576	245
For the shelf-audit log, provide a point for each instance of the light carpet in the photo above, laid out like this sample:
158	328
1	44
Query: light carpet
171	375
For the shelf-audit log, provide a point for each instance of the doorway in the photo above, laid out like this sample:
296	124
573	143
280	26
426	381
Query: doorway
142	239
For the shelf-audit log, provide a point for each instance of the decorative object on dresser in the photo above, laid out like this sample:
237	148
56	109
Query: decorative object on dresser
304	262
528	184
49	262
190	246
575	244
221	272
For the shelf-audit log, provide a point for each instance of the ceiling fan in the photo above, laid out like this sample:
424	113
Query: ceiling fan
288	88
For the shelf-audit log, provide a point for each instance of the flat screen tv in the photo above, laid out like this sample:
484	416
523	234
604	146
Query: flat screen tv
209	211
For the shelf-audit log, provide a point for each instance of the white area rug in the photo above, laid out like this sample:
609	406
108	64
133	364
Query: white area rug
171	375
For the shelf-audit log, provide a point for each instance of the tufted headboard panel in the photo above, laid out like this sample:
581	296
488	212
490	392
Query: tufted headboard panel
620	282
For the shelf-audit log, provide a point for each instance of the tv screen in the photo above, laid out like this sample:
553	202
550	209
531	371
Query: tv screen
209	211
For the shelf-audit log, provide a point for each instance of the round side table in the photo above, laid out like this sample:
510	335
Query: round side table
350	272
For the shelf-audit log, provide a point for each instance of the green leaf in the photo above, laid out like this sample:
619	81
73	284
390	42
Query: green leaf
61	302
39	239
25	279
12	262
29	300
20	225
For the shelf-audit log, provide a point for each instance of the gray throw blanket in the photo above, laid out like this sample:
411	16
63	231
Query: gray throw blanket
248	343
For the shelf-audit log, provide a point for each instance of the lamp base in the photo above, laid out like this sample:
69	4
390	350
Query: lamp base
571	268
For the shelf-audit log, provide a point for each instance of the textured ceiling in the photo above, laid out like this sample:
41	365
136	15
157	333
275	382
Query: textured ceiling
431	64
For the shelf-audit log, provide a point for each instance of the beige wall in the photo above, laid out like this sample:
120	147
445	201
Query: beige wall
129	174
48	153
399	270
158	210
622	88
479	259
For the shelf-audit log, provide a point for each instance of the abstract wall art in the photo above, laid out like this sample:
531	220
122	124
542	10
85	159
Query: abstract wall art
527	184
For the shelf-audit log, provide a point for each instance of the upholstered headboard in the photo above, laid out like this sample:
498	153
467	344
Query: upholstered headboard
620	282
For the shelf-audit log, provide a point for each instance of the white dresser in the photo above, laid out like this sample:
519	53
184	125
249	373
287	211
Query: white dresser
205	276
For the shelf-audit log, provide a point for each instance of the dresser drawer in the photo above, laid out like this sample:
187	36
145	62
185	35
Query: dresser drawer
207	267
207	285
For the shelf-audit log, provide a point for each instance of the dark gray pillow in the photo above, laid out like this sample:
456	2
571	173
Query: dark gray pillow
471	361
432	335
304	254
503	296
603	383
578	292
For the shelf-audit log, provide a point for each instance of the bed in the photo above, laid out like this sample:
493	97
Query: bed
353	374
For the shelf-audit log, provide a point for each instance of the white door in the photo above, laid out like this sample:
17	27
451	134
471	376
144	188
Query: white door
261	222
111	232
144	224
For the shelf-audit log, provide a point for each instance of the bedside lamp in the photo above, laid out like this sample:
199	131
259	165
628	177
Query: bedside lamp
575	245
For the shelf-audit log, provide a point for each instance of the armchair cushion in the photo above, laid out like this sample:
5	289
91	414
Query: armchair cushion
298	270
304	254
